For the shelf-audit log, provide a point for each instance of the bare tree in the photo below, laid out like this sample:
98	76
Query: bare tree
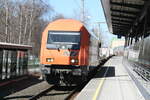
6	19
22	21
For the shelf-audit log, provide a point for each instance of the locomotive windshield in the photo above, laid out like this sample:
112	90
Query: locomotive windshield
63	40
63	37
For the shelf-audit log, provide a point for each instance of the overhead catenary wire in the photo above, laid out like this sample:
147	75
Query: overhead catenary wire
78	4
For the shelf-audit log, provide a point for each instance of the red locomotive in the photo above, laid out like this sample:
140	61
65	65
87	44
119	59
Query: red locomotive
65	52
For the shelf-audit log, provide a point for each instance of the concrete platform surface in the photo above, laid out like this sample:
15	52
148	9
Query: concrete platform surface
112	82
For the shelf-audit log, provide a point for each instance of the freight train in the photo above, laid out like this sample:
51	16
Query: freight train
68	52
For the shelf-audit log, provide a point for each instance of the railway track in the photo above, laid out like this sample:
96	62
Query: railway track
44	91
68	93
62	93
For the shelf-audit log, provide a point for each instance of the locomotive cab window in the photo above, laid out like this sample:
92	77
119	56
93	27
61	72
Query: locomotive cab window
63	40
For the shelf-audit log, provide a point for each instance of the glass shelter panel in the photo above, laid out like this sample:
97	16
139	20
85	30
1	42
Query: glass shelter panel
13	63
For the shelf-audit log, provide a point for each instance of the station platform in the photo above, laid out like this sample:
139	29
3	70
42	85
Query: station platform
112	82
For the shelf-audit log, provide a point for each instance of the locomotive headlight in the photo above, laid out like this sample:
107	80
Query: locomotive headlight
73	60
52	60
49	59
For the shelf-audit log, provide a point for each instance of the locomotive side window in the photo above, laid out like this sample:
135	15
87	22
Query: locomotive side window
71	40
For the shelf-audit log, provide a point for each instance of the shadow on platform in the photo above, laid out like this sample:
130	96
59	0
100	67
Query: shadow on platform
101	72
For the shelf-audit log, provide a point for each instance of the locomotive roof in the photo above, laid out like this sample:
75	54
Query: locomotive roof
66	25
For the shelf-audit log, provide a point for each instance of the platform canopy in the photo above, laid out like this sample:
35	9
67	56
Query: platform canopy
123	15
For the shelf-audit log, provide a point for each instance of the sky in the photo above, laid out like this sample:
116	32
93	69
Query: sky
70	8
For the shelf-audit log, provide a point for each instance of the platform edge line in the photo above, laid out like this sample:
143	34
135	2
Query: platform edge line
100	86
